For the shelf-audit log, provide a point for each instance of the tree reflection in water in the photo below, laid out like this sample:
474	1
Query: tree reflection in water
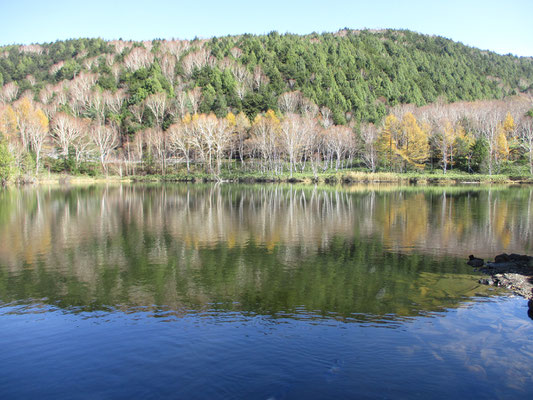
362	253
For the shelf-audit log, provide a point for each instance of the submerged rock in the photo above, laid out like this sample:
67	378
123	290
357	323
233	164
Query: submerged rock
489	281
513	271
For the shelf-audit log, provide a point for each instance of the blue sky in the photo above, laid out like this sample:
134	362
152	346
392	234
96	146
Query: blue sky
501	26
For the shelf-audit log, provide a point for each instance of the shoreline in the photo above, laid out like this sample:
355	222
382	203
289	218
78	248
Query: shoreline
343	177
512	271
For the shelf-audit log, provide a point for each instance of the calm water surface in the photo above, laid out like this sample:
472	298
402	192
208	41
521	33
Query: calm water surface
268	292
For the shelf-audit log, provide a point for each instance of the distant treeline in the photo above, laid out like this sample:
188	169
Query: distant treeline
274	103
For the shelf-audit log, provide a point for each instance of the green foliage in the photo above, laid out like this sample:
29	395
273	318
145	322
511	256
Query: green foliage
18	64
480	154
68	71
68	165
7	164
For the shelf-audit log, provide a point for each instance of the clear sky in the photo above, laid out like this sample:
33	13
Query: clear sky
501	26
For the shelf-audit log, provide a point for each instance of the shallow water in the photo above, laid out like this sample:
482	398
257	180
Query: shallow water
267	291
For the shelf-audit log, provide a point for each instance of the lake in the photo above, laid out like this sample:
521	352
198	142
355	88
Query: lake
261	291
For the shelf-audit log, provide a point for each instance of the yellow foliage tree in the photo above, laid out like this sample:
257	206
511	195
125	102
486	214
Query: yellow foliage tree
508	125
230	118
415	146
502	147
387	140
186	119
8	121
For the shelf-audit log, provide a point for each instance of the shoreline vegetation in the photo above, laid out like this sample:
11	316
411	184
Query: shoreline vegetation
326	178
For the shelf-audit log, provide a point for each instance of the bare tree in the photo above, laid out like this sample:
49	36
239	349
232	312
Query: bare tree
46	94
138	58
148	45
120	45
64	131
236	52
197	60
179	105
195	97
175	47
157	103
137	110
54	69
109	60
326	115
244	79
61	93
114	101
339	139
105	139
157	141
293	137
116	70
37	134
138	146
9	92
96	106
221	142
259	78
168	67
369	137
289	102
81	140
526	139
488	119
308	108
180	141
88	63
264	139
31	79
31	48
241	133
204	138
80	91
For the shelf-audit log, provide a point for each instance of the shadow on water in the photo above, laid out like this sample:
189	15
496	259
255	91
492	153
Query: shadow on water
361	253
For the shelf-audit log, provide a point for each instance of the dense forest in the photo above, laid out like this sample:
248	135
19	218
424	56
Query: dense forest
390	99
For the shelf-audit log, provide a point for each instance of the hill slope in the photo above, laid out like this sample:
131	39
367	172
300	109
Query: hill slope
356	74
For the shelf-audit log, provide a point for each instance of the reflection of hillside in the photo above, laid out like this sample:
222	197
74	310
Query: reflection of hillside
255	248
344	279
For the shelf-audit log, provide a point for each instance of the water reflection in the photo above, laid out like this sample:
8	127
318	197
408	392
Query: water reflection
358	253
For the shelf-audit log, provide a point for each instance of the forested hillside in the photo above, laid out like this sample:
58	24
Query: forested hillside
390	99
358	73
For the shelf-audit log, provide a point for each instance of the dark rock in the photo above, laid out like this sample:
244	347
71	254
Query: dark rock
502	258
475	262
518	257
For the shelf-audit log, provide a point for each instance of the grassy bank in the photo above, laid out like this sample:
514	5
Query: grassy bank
332	177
